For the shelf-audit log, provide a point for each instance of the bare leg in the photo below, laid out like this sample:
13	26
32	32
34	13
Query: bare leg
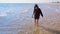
36	27
37	21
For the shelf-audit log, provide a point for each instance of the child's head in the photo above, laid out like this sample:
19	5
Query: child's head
36	6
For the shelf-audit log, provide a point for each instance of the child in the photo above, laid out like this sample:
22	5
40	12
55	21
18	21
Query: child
36	14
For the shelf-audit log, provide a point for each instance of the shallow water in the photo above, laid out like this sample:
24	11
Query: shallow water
13	18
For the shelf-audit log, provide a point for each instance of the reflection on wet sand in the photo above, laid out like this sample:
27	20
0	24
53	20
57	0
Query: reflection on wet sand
31	29
36	30
41	30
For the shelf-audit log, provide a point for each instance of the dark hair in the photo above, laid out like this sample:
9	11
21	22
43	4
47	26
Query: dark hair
36	6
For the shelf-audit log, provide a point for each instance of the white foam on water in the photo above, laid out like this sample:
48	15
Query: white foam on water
3	14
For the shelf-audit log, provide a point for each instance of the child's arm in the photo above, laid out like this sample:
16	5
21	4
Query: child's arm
41	13
33	14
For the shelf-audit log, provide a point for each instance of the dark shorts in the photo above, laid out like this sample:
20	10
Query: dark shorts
36	17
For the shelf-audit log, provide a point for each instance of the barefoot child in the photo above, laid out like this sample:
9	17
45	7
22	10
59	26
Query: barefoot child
36	14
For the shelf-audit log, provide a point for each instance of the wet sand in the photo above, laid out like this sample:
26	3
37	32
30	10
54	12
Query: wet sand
34	30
